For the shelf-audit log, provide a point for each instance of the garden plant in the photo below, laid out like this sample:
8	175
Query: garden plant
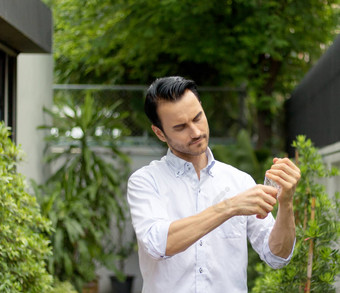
24	243
84	197
315	263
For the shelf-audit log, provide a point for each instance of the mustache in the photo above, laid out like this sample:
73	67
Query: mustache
198	138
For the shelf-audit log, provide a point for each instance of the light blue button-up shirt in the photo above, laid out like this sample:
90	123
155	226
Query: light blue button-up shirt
168	190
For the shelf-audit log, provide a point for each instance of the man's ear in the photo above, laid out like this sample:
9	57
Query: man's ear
159	133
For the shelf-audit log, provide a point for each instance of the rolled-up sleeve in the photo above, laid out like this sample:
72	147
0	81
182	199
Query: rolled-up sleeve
273	260
148	213
258	233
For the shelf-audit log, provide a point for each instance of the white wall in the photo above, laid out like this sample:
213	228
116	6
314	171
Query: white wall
331	156
34	90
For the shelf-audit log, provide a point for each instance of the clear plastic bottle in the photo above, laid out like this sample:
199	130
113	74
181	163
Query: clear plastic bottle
271	182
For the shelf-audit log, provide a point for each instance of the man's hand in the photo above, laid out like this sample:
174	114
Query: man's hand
287	175
258	200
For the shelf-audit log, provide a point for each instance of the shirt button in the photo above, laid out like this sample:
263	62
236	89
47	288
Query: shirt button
200	270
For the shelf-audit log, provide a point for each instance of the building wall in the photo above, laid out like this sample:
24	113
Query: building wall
313	109
26	26
34	90
331	157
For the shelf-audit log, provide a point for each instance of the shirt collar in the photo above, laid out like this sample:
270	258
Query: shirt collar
179	165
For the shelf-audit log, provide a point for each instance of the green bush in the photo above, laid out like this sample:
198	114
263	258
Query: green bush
315	262
24	247
62	287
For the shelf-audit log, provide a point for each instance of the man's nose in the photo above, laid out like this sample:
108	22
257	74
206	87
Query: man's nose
195	131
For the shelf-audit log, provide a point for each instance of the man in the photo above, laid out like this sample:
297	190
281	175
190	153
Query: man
192	214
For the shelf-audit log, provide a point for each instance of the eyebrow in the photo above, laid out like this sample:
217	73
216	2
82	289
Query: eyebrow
182	124
198	115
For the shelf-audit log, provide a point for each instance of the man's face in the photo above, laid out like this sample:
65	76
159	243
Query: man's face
185	126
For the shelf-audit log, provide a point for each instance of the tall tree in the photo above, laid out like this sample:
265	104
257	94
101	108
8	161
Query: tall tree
267	45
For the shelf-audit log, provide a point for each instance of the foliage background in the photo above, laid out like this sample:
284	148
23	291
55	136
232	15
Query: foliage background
322	231
266	46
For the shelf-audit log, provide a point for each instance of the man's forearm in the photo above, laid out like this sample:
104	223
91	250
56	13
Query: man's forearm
258	200
185	232
282	237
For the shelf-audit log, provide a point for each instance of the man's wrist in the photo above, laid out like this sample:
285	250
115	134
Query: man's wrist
286	204
226	208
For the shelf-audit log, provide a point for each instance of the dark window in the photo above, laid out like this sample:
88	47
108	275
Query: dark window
2	84
8	90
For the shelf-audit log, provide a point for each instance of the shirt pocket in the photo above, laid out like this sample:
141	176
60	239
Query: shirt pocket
235	227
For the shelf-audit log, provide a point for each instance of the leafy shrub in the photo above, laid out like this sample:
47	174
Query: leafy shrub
315	262
62	287
24	247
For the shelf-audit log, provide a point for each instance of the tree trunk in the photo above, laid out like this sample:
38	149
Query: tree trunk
264	129
271	68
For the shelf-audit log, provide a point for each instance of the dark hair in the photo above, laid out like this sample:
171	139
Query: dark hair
169	89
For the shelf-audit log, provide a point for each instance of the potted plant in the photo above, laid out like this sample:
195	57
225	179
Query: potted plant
84	197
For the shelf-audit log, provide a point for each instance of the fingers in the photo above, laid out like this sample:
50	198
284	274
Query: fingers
287	166
259	200
270	190
284	172
286	161
268	196
261	216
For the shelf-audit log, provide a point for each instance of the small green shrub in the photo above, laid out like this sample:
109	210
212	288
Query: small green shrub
62	287
24	247
317	233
